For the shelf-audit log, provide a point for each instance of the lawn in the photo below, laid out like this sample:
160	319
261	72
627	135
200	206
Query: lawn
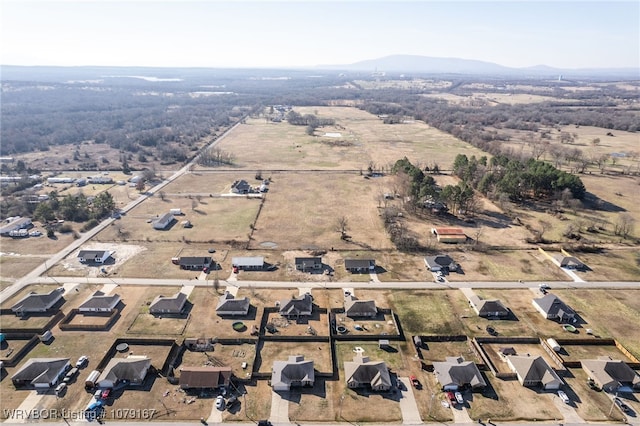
319	352
427	312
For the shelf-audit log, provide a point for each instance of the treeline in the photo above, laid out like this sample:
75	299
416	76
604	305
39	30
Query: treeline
311	121
75	208
519	180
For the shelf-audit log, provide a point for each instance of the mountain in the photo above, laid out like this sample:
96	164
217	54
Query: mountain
433	65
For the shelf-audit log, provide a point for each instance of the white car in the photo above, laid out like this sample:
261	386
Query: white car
220	402
544	286
563	396
459	398
82	360
60	388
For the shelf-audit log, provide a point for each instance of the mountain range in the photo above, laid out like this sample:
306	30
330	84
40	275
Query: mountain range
434	65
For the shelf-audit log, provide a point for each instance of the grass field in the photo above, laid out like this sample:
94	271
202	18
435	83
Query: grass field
427	312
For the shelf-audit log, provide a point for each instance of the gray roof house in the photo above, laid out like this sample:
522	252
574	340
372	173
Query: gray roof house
440	262
204	377
195	263
163	221
94	256
248	263
16	224
534	371
612	375
240	187
100	302
133	369
569	262
229	305
34	302
551	307
488	308
362	373
293	372
296	307
360	265
359	308
307	264
168	305
41	373
456	373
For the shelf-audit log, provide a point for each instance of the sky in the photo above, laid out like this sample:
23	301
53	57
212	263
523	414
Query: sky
270	34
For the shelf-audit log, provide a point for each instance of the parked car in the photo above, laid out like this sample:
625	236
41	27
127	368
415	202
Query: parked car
105	393
264	423
70	375
415	382
624	407
81	361
459	397
61	388
399	384
451	397
563	396
592	384
220	402
232	401
544	286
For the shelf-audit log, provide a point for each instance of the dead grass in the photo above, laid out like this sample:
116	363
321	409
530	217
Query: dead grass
345	351
223	355
255	403
147	324
319	352
37	246
365	406
426	312
314	405
14	268
590	405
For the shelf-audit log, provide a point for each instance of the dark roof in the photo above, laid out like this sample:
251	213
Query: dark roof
362	371
131	368
40	370
173	304
228	303
241	185
483	307
607	371
533	369
457	371
569	261
358	308
358	263
38	302
301	305
295	369
553	306
200	261
442	260
204	377
100	301
308	261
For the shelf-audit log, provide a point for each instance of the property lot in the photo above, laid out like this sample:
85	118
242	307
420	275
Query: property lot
16	266
429	399
317	404
147	324
439	351
346	351
121	253
590	404
378	325
315	325
37	246
428	312
222	355
254	404
319	352
534	350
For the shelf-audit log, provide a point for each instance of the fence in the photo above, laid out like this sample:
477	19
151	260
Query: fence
66	325
133	341
53	321
20	353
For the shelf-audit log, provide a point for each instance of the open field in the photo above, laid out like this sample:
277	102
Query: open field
37	246
611	316
15	267
427	312
319	352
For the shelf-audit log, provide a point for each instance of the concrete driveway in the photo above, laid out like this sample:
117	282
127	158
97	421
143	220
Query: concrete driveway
279	408
568	411
408	406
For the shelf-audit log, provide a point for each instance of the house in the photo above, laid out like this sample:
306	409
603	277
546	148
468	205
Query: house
294	372
100	302
612	375
569	262
41	373
99	180
297	307
363	373
132	369
248	263
34	302
360	265
449	235
505	351
456	373
359	308
94	256
168	305
204	377
163	221
308	264
534	371
15	225
240	187
488	308
441	262
195	263
551	307
228	305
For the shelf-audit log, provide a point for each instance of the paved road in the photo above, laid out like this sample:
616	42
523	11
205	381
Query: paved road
192	423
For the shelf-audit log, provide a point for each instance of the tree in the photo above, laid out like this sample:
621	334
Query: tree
342	226
162	195
624	225
140	185
44	213
595	141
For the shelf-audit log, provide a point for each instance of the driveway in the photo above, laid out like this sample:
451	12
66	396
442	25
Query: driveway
279	409
408	406
568	412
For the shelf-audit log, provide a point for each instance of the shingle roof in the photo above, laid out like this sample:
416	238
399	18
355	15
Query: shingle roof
307	262
486	306
174	303
302	305
295	369
248	261
553	306
442	260
133	369
100	301
358	263
355	307
204	377
40	370
457	371
34	301
92	253
201	261
362	371
228	303
534	369
609	370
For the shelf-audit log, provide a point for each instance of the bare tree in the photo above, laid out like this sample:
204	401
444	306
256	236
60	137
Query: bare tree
162	195
624	225
342	226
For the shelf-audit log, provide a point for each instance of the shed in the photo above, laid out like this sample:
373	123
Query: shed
91	380
553	344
